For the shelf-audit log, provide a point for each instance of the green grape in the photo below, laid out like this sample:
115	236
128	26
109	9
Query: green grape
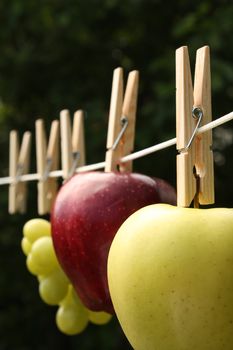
31	264
53	288
72	316
99	318
36	228
26	246
69	321
41	277
43	256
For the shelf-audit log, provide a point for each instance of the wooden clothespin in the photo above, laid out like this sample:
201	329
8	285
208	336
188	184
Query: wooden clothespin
195	172
18	166
72	143
47	158
122	116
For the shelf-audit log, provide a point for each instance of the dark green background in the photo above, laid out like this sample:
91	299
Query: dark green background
61	54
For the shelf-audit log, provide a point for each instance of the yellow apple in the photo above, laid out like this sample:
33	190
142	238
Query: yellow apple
170	274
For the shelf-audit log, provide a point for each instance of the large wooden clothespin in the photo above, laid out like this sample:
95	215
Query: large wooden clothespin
47	158
72	142
195	173
121	126
18	166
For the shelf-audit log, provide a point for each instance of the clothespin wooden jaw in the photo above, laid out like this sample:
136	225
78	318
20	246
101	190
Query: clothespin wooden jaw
78	137
122	116
72	142
18	165
47	161
195	174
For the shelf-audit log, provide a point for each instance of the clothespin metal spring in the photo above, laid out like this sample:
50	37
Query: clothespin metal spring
75	161
196	114
124	124
48	168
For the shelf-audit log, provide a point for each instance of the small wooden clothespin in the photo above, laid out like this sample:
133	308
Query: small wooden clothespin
18	166
47	158
72	143
195	172
121	126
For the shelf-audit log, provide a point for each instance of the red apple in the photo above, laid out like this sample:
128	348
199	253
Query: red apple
88	211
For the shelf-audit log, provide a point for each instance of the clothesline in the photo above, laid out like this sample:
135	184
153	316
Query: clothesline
139	154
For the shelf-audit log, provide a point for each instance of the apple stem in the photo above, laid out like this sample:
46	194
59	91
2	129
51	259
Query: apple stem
196	201
196	197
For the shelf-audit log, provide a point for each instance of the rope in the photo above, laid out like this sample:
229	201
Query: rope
58	173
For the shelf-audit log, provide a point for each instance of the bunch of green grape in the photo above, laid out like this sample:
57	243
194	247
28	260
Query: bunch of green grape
72	316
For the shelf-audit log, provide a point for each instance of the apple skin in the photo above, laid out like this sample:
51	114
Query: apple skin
88	210
170	273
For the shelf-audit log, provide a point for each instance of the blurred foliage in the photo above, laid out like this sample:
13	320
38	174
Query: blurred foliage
61	54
